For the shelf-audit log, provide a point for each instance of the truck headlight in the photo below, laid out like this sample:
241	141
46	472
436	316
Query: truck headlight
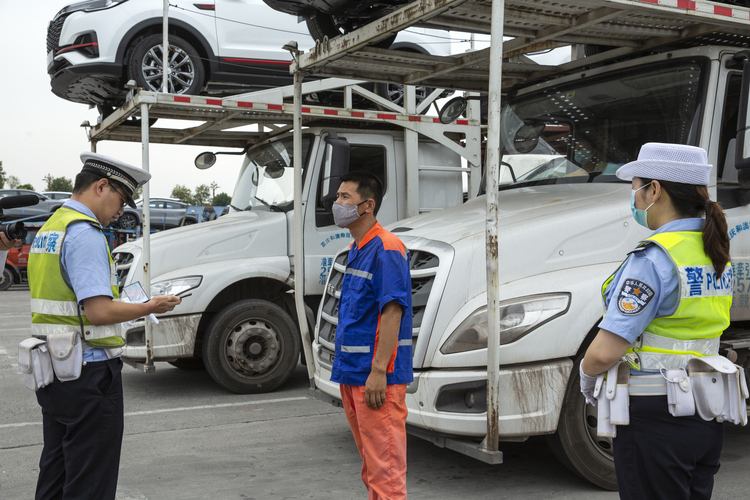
176	286
518	318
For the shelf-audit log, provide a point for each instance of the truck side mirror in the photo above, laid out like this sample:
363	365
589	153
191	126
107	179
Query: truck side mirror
335	165
205	160
742	145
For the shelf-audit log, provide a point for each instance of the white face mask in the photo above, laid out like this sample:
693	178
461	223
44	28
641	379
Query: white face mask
343	214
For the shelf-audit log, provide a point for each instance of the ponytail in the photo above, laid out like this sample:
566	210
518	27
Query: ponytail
693	201
716	235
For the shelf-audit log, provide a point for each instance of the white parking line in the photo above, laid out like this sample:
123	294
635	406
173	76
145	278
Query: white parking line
187	408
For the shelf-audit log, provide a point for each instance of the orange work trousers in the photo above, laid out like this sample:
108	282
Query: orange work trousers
381	440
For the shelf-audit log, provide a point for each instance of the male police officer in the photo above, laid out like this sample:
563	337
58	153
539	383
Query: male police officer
73	283
373	337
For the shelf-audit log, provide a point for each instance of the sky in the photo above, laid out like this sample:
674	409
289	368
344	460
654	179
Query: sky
40	133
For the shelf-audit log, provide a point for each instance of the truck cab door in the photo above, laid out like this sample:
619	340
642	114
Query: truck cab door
373	153
733	199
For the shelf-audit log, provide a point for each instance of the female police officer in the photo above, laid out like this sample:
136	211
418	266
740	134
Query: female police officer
658	308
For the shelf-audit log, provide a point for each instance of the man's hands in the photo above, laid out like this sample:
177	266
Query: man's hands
375	389
164	303
7	244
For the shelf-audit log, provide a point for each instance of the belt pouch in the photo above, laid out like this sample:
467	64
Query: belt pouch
710	385
679	392
35	364
603	426
617	380
66	351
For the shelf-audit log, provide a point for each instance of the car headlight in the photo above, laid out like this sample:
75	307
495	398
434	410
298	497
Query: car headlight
518	318
96	5
176	286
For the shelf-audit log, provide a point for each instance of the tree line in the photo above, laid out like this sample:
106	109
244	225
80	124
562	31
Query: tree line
202	196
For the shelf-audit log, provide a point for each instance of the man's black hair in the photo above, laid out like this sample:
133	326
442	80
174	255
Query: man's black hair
368	186
84	180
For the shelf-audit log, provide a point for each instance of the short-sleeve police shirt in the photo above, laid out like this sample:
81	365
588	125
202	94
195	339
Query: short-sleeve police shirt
650	275
85	264
377	273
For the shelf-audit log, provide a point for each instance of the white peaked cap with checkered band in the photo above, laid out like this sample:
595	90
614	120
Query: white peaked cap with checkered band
669	162
128	176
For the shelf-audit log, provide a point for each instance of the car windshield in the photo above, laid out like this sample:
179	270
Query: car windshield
584	131
267	178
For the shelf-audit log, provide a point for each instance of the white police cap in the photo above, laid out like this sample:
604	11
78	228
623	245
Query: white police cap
669	162
129	177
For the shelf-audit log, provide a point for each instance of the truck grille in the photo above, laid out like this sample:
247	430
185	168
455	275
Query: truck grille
53	34
423	266
123	261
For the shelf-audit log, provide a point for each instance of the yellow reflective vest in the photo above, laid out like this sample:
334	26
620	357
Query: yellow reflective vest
700	316
54	306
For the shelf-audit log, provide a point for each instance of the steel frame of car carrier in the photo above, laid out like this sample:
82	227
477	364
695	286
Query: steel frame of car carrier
216	117
630	26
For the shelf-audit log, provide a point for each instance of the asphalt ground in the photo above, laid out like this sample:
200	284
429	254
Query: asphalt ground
187	438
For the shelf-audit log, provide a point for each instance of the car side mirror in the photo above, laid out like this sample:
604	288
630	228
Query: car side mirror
335	165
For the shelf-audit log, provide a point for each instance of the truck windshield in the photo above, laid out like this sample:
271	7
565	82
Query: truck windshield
583	131
267	179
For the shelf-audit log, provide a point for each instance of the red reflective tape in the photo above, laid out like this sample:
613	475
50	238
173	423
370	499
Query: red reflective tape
276	106
256	61
686	4
651	1
415	118
385	116
214	102
436	120
245	104
305	110
73	47
358	114
330	112
462	122
722	11
178	98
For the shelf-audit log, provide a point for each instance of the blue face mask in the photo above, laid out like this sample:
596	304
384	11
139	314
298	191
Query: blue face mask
640	216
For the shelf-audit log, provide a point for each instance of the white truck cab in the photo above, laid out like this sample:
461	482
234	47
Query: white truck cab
236	273
565	226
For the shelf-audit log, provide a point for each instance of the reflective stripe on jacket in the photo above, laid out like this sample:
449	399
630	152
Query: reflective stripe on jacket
54	306
701	313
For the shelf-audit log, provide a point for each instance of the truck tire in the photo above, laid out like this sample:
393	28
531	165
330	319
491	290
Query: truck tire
251	347
6	279
144	66
576	444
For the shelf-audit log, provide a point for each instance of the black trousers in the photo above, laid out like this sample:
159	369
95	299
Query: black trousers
659	456
83	428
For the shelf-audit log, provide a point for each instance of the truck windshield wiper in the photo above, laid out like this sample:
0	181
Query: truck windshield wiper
232	206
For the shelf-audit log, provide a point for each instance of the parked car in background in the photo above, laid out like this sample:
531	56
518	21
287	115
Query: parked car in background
57	195
14	270
165	213
41	211
95	47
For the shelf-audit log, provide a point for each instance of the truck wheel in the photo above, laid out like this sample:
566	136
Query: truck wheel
576	444
189	364
186	72
251	346
6	279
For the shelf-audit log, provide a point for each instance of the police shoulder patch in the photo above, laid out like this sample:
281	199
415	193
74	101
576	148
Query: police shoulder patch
634	296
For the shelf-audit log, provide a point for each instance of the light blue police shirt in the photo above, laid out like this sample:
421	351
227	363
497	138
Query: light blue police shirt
654	268
85	265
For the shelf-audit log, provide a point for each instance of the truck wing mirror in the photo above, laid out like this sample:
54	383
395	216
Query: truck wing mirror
335	165
205	160
742	145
